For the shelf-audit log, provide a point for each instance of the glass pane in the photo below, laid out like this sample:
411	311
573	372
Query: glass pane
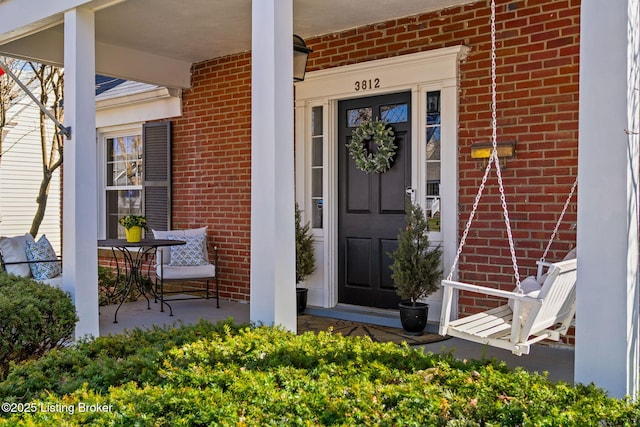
356	116
316	183
120	203
433	161
124	161
433	119
433	174
395	113
316	121
316	213
316	151
433	102
433	149
433	128
433	188
433	213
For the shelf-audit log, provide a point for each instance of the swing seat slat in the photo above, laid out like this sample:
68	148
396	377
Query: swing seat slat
551	312
490	323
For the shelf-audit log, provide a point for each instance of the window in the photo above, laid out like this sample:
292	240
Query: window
124	181
137	177
433	166
317	167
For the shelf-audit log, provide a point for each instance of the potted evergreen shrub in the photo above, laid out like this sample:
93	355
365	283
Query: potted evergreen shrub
305	259
417	270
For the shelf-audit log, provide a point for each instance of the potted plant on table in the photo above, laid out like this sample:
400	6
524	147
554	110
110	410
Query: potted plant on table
133	225
305	259
417	270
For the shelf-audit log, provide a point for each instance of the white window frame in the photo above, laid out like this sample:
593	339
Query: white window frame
103	135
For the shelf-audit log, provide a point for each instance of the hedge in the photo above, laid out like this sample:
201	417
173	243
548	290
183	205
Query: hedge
34	318
227	375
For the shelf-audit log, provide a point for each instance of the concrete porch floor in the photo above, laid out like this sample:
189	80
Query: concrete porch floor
558	362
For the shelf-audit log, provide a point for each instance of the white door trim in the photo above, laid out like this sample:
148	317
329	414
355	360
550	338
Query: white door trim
418	73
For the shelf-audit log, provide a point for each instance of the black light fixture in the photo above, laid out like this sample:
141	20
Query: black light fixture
300	55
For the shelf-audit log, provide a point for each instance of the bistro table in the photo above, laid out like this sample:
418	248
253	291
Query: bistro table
133	265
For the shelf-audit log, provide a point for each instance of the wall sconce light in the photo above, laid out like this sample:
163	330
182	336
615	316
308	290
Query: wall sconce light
300	55
482	150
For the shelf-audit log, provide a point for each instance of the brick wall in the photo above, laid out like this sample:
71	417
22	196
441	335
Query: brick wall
537	106
212	164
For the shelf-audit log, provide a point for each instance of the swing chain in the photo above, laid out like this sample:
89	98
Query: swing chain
493	158
494	136
470	220
560	218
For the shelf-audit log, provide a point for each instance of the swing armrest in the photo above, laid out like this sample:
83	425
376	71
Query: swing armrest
490	291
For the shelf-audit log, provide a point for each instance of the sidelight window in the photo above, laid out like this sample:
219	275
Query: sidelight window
317	167
433	161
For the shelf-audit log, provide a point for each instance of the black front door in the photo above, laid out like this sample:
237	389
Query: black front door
371	207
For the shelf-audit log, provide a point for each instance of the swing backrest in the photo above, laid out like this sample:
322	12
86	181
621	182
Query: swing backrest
558	295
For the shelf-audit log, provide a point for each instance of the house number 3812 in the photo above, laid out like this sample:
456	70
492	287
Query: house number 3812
367	84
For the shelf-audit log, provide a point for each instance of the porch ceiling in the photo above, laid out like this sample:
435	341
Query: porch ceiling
182	33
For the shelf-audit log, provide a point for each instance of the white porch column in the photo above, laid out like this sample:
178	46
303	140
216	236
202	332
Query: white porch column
273	298
607	290
80	227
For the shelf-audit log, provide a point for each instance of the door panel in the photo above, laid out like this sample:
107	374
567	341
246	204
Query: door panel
371	207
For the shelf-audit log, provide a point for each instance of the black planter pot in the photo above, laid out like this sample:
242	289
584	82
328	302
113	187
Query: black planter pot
301	298
413	318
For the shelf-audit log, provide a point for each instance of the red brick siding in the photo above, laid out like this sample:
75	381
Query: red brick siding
212	164
537	66
537	84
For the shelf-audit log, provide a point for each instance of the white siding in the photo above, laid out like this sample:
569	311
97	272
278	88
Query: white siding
21	174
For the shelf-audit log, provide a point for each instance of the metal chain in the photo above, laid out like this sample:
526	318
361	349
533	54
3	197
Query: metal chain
494	136
470	220
492	159
564	210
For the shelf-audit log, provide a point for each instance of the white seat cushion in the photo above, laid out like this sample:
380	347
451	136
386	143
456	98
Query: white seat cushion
572	254
55	282
531	288
13	250
172	272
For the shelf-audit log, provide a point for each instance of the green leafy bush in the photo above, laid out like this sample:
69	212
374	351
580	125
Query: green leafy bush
34	318
261	376
111	287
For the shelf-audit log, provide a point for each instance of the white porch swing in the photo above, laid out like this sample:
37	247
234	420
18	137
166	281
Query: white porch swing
526	318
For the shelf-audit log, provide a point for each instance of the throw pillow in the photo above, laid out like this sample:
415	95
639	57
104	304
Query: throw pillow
166	252
13	250
530	288
42	251
572	254
190	253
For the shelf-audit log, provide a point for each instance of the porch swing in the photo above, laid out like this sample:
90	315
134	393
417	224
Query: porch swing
527	318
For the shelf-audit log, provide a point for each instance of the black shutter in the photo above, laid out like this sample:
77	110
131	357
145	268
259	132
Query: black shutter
157	175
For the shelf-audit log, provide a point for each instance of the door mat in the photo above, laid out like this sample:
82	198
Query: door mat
309	323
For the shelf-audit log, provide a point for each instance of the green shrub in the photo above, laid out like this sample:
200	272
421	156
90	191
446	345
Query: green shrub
111	287
34	318
103	362
227	375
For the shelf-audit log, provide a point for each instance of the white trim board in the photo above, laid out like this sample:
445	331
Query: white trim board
419	73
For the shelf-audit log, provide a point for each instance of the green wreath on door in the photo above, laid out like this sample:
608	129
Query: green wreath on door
383	136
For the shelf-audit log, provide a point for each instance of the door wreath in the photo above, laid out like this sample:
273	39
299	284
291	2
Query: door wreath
383	137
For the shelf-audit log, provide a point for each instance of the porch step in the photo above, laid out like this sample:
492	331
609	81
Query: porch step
374	316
